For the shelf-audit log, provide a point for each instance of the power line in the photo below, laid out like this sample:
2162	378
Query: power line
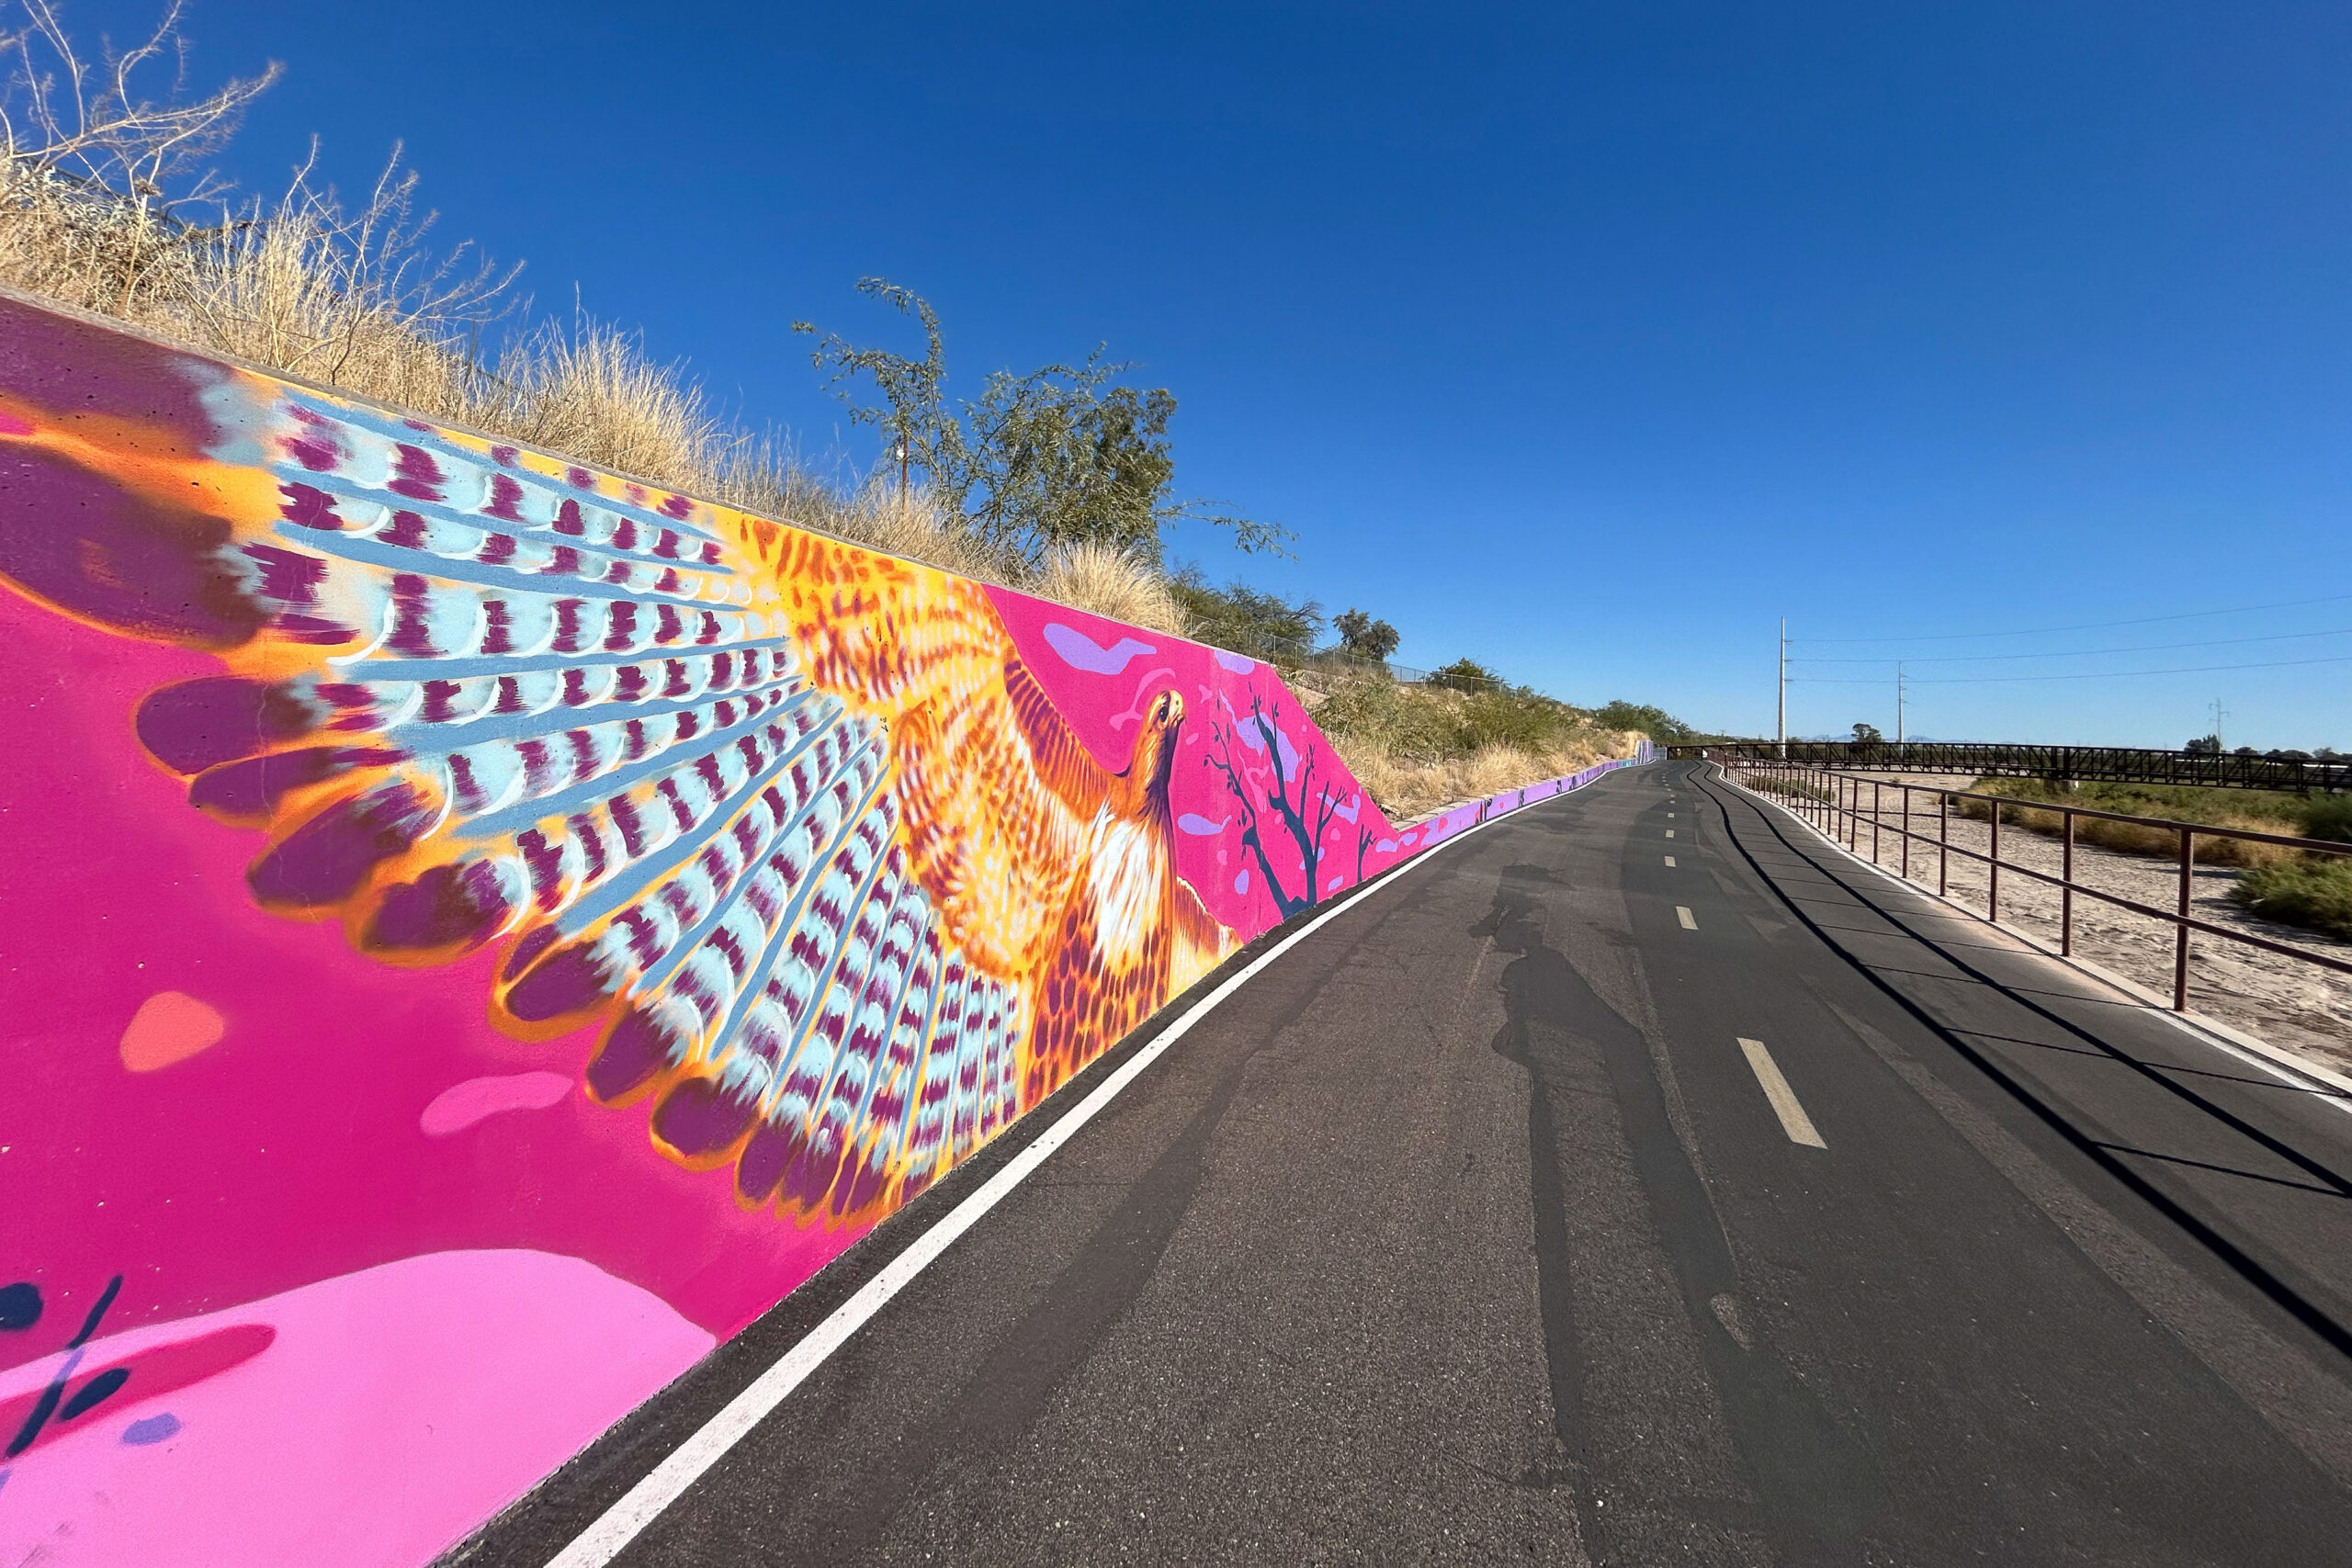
2082	652
2085	675
2090	626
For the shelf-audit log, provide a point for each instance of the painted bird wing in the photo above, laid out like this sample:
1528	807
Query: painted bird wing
705	782
996	791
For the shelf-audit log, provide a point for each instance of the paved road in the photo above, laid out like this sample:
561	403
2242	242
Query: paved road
1469	1230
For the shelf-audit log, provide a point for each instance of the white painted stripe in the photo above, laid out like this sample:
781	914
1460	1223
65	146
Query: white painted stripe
1669	860
1684	916
663	1485
1794	1121
1669	832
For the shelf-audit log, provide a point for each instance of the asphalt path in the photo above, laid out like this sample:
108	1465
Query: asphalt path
1639	1181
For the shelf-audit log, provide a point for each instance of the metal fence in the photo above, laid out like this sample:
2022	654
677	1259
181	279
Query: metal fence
1341	660
1831	803
2116	764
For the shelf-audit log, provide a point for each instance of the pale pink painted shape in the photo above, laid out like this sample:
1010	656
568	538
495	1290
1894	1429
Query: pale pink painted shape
170	1026
459	1106
397	1408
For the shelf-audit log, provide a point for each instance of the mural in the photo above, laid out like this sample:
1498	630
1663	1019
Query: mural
482	932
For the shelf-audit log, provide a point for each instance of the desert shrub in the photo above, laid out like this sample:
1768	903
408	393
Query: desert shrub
1432	723
1466	675
2311	892
1407	725
1770	784
1650	719
2271	811
2328	816
1417	748
1247	620
1407	790
2258	811
1516	718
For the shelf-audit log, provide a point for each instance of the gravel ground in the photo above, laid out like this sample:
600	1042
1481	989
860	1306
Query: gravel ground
2283	1000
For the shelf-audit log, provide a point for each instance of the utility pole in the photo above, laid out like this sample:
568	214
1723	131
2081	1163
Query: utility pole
1898	701
2219	744
1785	687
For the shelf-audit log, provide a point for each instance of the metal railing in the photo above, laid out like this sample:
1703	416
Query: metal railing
1340	656
2116	764
1831	803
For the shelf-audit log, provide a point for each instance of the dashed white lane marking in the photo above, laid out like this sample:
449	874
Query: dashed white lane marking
1669	860
658	1488
1683	914
1669	832
1794	1121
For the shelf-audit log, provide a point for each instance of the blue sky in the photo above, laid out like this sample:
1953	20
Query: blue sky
1583	340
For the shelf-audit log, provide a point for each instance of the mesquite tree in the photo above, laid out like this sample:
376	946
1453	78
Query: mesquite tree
1066	454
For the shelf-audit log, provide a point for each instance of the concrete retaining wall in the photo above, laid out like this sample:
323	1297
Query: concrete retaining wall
479	932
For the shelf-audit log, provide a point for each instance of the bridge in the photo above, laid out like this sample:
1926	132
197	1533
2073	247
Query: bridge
2116	765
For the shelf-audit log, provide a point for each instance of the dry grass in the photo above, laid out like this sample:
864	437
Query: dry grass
590	392
1110	583
2254	813
1419	748
1795	787
910	523
348	300
1409	790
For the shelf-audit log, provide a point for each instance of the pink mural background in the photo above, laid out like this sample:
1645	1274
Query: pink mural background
380	1266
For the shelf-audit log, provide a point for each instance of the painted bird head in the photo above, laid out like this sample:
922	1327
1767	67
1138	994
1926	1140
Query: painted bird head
1155	754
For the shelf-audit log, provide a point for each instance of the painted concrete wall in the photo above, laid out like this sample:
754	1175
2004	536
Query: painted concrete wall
479	932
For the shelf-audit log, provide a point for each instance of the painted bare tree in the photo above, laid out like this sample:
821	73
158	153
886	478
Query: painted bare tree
1264	796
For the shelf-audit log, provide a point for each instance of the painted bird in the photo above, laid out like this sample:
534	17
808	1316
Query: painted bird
787	822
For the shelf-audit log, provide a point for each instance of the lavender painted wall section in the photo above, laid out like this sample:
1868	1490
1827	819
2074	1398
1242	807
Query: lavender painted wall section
480	932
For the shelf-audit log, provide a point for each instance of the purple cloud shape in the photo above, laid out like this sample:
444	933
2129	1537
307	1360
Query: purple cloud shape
1245	728
154	1428
1289	754
1198	826
1083	652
